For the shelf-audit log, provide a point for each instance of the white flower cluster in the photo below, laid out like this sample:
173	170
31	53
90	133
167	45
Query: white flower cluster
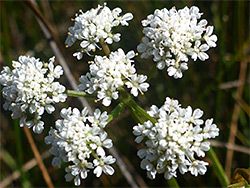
171	36
80	139
96	24
107	75
173	142
29	89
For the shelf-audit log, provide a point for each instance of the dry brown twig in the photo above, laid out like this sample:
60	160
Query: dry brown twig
38	158
26	167
55	46
236	148
236	110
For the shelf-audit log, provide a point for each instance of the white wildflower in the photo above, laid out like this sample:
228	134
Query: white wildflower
173	35
108	74
79	139
30	88
173	142
96	24
137	83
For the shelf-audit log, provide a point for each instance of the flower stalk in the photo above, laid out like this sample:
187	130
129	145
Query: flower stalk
74	93
218	168
116	112
105	47
129	101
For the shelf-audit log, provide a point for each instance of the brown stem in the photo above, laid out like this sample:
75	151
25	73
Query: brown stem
26	167
234	147
105	47
236	110
38	158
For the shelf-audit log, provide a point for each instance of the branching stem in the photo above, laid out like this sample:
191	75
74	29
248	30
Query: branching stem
74	93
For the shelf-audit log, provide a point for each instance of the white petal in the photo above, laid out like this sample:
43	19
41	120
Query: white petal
127	16
98	171
68	177
108	170
161	65
141	48
100	151
84	44
49	108
130	54
134	91
56	162
203	56
106	101
197	113
171	71
77	180
209	30
108	143
84	174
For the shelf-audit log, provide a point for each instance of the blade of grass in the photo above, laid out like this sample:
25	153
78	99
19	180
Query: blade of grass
218	168
8	159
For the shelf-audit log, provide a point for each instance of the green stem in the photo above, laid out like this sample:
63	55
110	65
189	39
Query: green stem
129	101
218	168
135	115
173	183
142	113
116	112
74	93
105	47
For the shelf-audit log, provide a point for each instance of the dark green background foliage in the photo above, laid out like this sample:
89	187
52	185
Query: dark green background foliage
201	86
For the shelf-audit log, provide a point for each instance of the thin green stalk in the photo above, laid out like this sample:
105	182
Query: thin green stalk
173	183
141	111
135	115
8	159
218	168
116	112
105	47
129	101
74	93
